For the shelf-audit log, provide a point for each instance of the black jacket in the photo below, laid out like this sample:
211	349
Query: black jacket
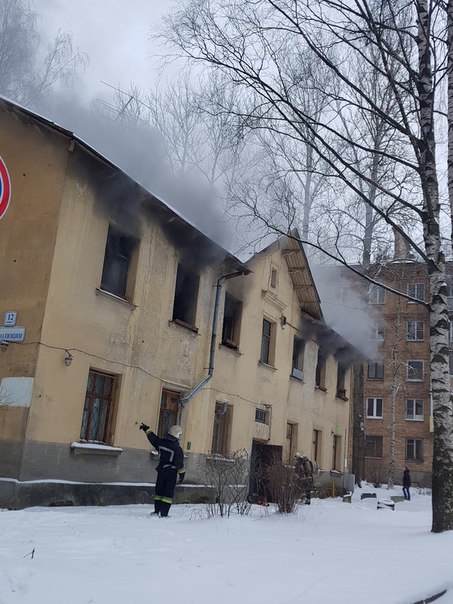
171	455
406	479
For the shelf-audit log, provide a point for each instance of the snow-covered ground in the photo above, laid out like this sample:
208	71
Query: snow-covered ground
327	552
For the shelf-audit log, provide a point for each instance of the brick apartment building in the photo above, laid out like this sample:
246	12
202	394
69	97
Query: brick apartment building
391	398
396	384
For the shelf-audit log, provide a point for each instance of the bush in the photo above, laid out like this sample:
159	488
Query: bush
229	479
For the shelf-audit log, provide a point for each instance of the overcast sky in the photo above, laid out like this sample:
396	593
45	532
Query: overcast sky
114	33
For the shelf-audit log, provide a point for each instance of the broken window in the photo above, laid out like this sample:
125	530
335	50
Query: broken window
298	358
341	380
231	322
320	374
186	295
119	251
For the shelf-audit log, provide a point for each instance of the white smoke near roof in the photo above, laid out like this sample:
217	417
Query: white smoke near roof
139	152
345	307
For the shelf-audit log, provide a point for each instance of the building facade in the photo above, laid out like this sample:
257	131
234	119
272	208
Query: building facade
116	311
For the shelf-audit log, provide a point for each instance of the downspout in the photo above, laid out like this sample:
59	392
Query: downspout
203	383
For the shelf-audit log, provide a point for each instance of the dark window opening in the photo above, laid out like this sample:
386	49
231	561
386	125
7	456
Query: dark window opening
266	355
373	446
274	278
231	322
320	374
186	295
298	358
341	381
98	409
117	260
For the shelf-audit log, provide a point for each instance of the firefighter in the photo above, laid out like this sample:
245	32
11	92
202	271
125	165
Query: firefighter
305	469
170	468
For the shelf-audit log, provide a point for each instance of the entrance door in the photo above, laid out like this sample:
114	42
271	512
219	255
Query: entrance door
262	456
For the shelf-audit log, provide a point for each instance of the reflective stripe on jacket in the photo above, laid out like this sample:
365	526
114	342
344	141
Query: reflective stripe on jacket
170	452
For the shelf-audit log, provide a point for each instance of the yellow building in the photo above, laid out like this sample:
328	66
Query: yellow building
115	310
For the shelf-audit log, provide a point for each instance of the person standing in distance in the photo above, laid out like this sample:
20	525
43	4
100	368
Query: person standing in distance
406	484
169	469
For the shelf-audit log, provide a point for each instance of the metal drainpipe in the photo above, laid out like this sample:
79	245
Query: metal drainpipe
190	396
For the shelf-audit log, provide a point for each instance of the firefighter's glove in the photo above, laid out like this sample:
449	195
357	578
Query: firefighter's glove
181	477
144	427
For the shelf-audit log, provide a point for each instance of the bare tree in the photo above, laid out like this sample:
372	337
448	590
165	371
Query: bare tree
228	477
27	70
253	43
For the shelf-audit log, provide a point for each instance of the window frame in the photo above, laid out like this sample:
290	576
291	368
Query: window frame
378	446
375	406
415	323
417	445
316	444
378	333
262	416
409	367
298	357
231	326
169	411
321	370
416	417
267	350
106	438
342	370
376	294
416	294
120	251
377	365
221	428
185	300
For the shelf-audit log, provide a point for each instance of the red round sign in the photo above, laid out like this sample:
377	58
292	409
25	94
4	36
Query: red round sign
5	188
